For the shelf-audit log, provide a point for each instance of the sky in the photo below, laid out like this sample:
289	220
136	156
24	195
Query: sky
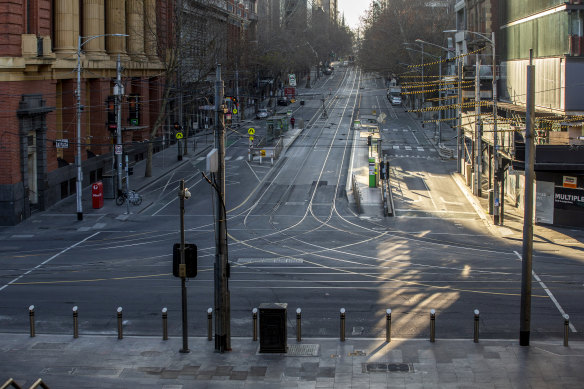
352	9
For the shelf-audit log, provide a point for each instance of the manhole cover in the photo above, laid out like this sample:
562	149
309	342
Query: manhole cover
376	367
303	350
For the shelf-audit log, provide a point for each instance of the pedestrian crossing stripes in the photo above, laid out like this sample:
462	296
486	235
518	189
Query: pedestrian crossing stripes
409	148
227	158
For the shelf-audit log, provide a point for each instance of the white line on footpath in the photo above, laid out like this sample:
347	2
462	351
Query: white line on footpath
549	293
48	260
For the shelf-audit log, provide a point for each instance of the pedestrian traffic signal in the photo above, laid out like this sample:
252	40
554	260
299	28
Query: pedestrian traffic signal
190	260
134	109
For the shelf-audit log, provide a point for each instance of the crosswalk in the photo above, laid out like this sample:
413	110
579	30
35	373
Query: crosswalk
410	148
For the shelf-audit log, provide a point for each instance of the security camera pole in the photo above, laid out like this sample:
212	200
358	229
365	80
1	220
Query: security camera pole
183	269
222	299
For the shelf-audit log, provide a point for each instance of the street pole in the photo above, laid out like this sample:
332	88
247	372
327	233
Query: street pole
79	182
477	132
526	264
179	81
440	102
459	132
183	271
237	91
423	97
222	298
497	200
119	92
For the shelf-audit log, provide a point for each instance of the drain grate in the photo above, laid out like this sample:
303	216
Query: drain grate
303	350
376	367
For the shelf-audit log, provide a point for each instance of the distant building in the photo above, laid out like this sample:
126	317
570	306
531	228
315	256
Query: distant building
554	31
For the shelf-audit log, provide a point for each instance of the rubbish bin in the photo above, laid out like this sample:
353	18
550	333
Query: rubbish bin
273	331
97	195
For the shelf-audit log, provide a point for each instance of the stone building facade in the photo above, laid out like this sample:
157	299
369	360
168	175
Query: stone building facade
38	82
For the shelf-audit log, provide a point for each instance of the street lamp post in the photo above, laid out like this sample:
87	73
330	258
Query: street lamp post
422	42
440	72
78	159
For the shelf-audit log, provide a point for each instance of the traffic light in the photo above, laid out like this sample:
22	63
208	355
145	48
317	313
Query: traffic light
134	109
177	127
190	259
112	123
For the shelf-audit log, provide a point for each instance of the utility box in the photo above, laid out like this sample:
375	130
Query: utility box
97	195
273	330
109	190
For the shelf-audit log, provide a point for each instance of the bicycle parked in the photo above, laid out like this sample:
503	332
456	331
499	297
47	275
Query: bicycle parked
132	196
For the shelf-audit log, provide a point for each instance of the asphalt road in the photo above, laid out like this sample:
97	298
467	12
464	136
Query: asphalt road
294	237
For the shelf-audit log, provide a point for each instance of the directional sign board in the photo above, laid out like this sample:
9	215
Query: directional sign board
62	143
292	79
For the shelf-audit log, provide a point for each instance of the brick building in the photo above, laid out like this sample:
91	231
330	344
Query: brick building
39	42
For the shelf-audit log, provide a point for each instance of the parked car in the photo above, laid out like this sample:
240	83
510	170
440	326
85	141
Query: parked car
262	113
283	101
328	71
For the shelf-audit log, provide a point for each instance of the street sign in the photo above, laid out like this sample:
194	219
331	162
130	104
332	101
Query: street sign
292	79
179	135
235	111
251	138
251	131
118	149
62	143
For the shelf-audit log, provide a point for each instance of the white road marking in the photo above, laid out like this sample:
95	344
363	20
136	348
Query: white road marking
22	236
48	260
420	149
200	159
408	148
239	158
395	147
227	158
549	293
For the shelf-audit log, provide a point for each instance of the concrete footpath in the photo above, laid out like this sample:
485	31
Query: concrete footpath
146	362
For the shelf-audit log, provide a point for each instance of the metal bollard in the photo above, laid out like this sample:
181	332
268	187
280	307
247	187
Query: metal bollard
566	329
432	325
120	331
164	323
75	322
342	324
476	325
210	324
298	324
31	319
254	313
388	325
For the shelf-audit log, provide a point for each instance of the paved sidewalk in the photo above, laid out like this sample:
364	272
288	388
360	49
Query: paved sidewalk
148	362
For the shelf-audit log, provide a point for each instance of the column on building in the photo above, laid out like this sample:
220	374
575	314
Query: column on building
66	26
135	20
116	24
150	29
94	25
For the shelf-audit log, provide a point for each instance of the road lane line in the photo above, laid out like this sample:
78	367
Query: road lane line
49	260
549	293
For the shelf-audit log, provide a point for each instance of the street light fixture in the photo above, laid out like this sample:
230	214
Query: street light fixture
496	202
80	43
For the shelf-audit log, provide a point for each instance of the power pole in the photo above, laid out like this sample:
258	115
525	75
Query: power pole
222	298
526	264
119	93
